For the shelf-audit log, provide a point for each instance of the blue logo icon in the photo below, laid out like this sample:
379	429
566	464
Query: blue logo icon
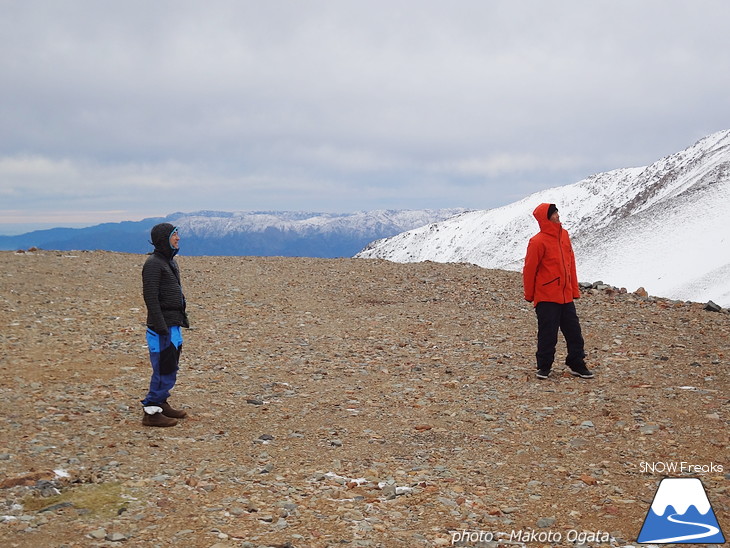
681	514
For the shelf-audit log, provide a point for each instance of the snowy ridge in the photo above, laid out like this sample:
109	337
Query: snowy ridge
664	227
250	233
218	223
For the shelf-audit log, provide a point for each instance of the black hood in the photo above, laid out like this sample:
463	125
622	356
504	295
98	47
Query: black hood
160	235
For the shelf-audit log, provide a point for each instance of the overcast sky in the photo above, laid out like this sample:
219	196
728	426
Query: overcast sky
122	110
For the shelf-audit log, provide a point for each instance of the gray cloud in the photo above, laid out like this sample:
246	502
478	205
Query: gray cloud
345	105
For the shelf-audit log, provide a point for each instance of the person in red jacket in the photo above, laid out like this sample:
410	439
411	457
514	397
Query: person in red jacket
550	283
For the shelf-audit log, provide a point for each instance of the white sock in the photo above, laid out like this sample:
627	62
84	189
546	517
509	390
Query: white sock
152	409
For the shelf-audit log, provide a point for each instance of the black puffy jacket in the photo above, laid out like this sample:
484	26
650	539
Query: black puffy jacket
161	287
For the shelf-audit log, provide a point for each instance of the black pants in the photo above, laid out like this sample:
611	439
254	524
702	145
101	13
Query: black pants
550	318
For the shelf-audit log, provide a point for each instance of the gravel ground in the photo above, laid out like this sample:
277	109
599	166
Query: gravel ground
345	403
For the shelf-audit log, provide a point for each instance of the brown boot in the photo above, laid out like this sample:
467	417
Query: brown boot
158	419
172	413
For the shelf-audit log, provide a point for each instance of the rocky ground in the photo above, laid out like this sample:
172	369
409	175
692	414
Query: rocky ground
345	403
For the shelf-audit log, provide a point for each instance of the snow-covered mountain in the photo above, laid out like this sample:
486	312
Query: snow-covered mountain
262	233
205	224
665	227
296	233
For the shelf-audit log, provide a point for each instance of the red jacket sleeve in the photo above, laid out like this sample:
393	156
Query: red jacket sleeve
574	274
529	272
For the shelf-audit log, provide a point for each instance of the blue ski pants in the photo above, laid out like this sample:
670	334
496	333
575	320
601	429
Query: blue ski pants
164	356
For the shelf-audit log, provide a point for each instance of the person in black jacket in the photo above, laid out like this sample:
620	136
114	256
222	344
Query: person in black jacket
165	302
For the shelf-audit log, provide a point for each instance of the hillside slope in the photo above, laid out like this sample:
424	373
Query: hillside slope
663	227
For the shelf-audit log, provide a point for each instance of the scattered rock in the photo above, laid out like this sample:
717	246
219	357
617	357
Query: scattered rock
397	403
98	534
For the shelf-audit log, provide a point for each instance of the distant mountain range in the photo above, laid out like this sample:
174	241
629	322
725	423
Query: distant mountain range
262	233
665	227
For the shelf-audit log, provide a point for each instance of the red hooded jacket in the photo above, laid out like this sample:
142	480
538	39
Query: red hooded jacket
549	274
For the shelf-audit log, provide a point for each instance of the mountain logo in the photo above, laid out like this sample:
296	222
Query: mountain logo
681	514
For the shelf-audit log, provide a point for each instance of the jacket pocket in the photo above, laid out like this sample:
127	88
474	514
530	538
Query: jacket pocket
552	281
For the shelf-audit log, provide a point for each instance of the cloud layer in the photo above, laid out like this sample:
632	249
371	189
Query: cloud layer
151	107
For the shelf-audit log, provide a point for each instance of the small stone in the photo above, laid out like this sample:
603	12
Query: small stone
354	515
389	492
641	292
55	507
267	518
545	522
98	534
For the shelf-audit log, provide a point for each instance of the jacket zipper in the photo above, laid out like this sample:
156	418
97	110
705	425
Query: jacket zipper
562	260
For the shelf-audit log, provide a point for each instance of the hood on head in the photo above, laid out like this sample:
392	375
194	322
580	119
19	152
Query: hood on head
160	235
543	219
541	212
